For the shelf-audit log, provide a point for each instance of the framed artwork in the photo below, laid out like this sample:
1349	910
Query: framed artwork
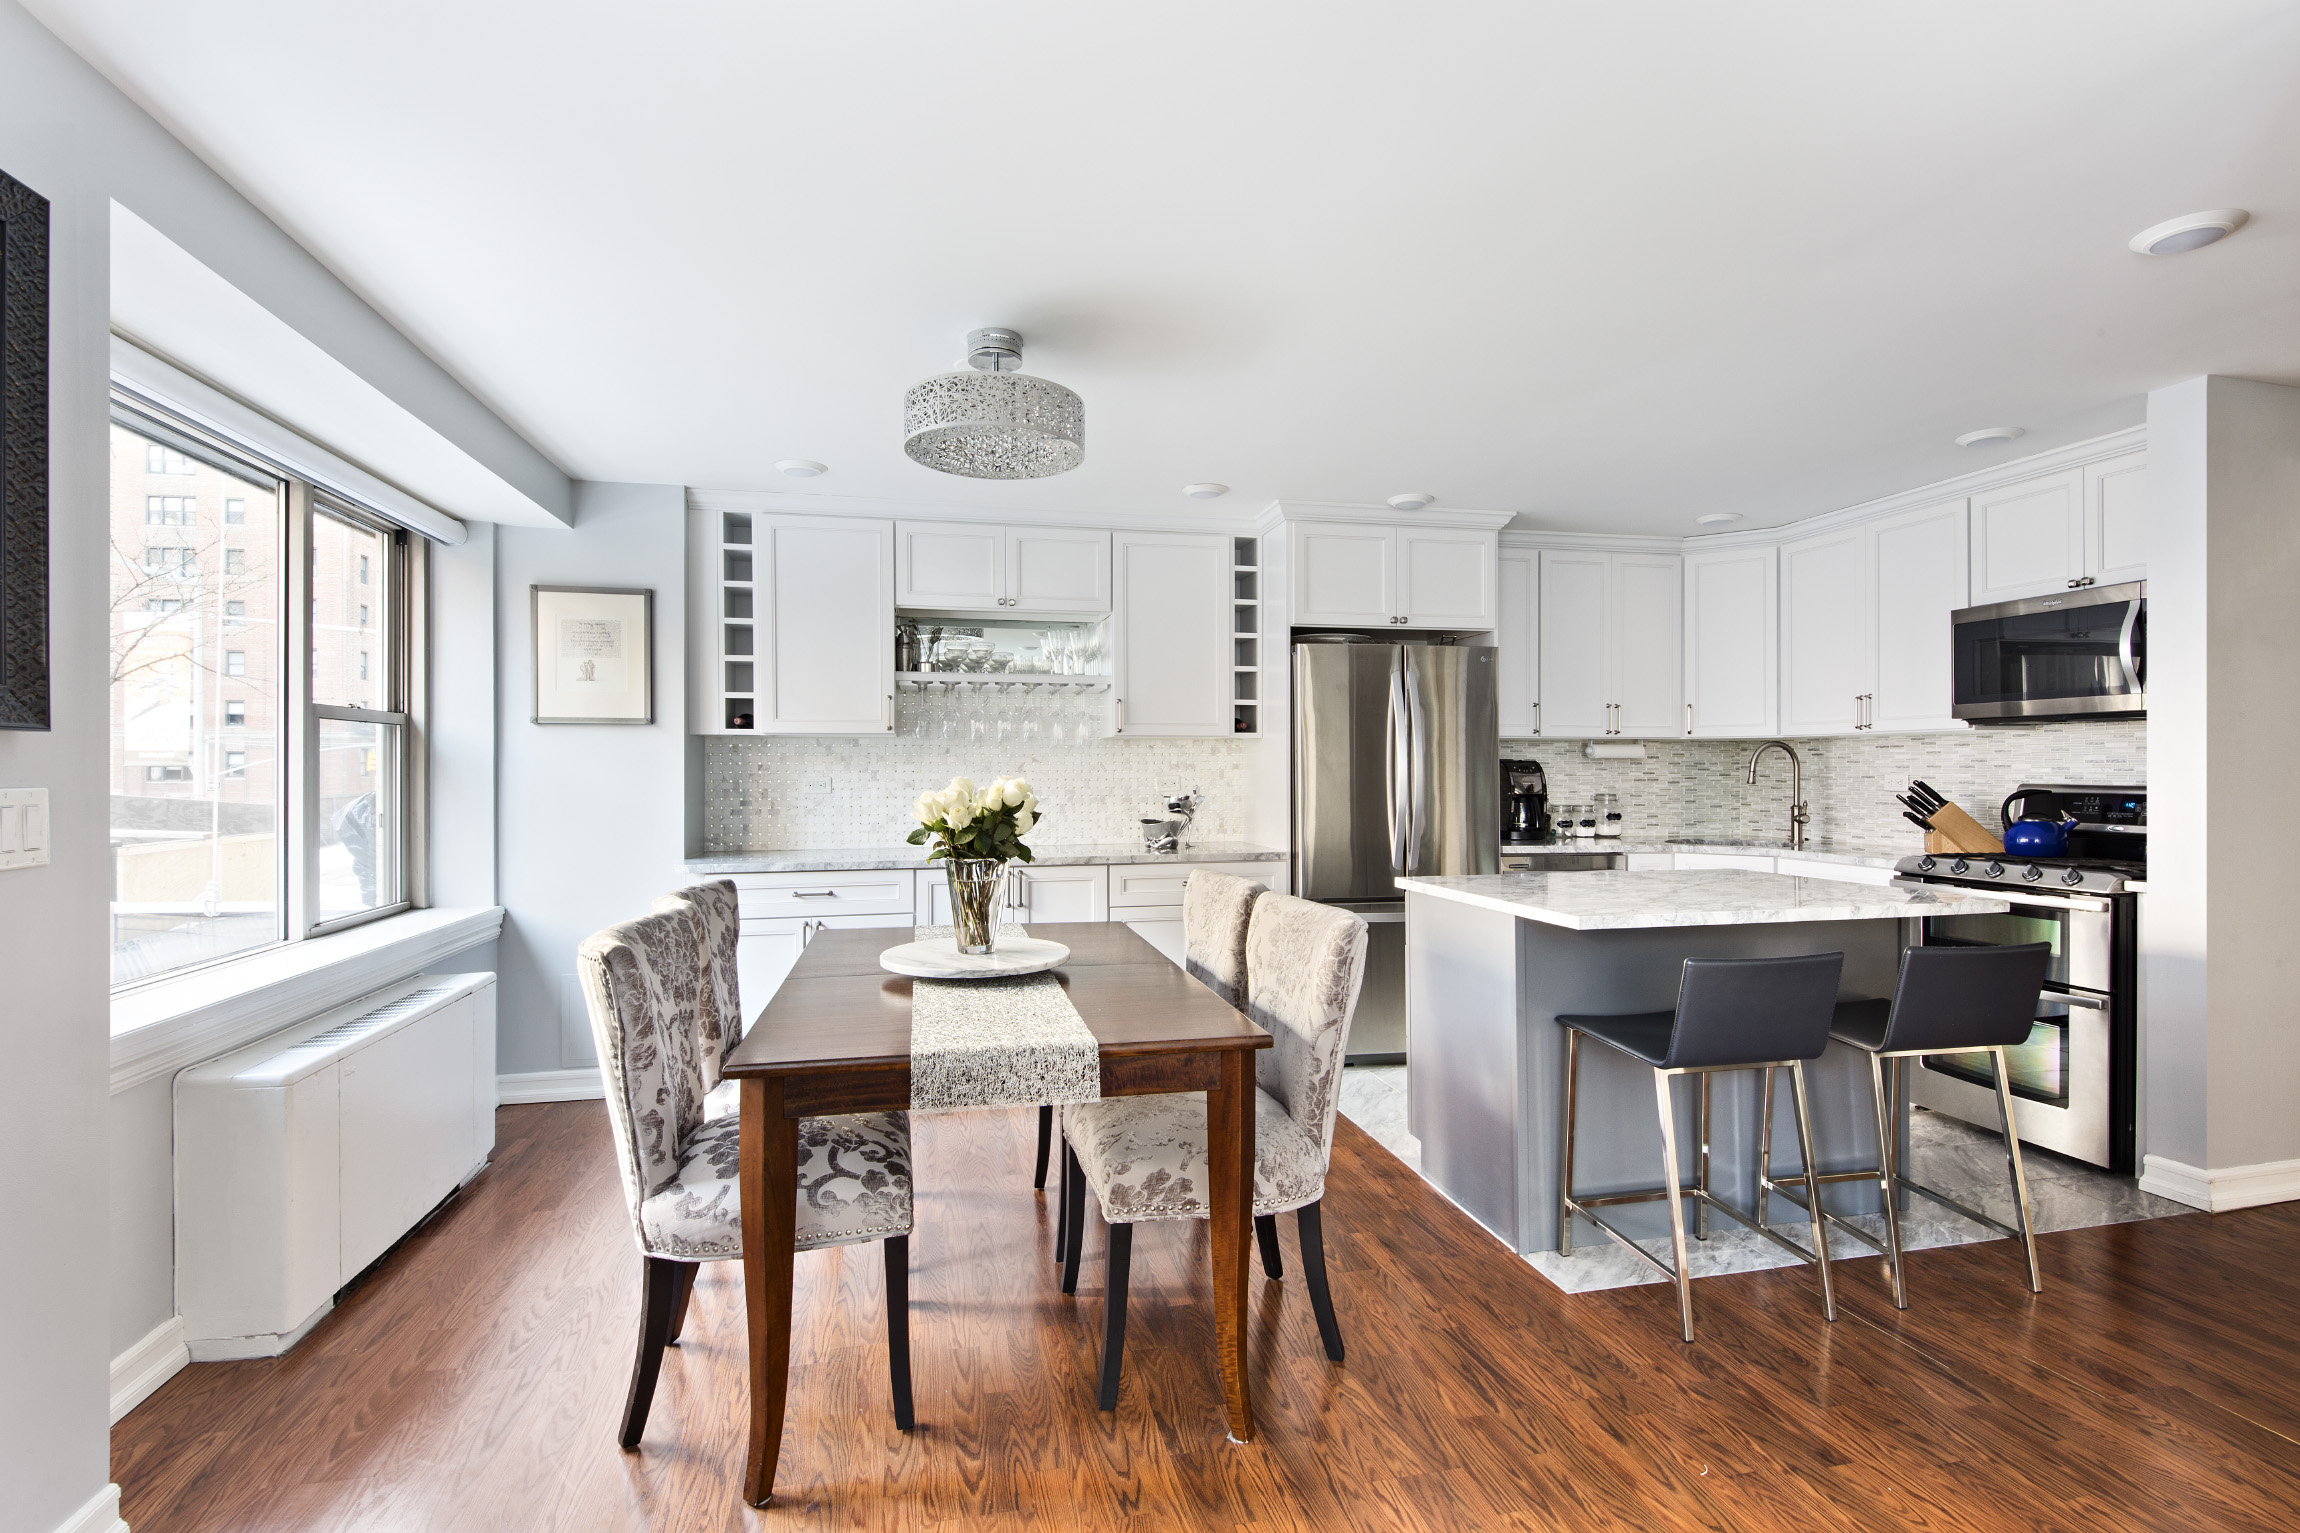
23	456
594	655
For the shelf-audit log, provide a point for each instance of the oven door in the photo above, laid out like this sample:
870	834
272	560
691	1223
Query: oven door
2082	654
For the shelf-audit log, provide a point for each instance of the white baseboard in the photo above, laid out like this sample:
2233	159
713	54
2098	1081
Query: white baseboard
2221	1190
147	1365
100	1515
582	1085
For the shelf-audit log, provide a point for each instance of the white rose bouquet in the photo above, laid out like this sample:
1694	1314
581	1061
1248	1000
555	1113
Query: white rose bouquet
966	822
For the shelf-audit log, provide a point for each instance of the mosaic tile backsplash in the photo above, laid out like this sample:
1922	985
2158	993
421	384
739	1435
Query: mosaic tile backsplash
1093	789
1701	787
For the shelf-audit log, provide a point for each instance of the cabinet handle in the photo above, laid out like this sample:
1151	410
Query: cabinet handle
1120	727
1689	718
890	713
814	894
1537	718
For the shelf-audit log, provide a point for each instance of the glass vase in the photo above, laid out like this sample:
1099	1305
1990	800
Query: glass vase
975	884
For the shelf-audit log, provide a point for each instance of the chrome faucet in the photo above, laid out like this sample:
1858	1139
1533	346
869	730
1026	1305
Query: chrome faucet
1798	818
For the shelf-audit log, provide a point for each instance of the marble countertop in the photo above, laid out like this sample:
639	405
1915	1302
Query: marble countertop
859	859
1602	844
1613	901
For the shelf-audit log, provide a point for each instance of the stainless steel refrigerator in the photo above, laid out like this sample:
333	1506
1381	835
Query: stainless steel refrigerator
1395	772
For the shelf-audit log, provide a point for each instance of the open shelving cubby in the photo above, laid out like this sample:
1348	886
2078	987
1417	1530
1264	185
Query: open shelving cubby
737	618
1246	636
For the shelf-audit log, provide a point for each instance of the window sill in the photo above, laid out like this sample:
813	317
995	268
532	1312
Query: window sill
159	1028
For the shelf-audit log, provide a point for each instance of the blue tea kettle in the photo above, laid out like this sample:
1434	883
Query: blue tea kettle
2041	828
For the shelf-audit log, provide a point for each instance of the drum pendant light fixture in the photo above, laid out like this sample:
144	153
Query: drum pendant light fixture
993	422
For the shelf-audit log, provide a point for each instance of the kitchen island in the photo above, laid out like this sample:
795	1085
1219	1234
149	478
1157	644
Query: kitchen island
1491	961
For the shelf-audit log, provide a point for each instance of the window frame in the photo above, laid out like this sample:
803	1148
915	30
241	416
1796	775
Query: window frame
298	715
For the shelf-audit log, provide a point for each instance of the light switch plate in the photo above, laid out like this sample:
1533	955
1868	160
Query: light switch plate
23	828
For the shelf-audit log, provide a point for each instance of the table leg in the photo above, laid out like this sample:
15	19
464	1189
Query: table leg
1230	1168
770	1181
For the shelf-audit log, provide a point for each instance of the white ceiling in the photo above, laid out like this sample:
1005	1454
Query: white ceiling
1609	267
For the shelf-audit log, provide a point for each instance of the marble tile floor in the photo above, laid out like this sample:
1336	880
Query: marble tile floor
1965	1162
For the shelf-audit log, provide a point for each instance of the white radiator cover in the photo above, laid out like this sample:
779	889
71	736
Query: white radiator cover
301	1158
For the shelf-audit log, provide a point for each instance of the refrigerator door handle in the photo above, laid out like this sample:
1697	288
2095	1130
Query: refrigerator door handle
1400	769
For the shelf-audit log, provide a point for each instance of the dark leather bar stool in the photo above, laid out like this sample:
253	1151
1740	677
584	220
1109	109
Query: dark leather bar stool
1949	1000
1732	1014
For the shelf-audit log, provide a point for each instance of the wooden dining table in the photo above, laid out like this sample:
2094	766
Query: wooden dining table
836	1039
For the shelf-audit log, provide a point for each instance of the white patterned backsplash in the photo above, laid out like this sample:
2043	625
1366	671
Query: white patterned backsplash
1091	788
1701	787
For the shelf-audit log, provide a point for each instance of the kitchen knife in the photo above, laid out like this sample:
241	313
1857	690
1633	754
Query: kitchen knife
1927	790
1924	825
1917	810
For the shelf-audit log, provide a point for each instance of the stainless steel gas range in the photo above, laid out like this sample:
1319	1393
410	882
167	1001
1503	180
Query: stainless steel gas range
2075	1082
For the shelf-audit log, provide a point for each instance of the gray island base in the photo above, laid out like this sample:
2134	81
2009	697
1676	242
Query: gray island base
1491	962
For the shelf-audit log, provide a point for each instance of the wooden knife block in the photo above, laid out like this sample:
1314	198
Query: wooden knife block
1956	831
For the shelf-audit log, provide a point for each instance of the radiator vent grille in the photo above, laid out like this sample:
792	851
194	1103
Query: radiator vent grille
345	1033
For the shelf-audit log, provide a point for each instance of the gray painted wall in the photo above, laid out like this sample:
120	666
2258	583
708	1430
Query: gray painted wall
591	821
2222	1021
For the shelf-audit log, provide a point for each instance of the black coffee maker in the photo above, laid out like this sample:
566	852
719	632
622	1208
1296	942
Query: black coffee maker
1524	802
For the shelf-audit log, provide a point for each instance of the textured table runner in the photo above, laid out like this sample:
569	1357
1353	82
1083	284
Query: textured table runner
1010	1042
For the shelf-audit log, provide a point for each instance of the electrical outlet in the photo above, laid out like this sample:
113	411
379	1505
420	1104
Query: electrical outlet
819	786
23	827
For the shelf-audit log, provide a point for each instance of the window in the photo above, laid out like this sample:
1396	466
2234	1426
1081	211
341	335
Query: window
223	839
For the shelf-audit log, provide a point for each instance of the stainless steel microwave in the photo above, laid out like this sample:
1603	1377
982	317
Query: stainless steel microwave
2074	654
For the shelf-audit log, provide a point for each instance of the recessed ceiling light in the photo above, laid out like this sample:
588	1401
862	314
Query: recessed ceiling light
1988	434
1206	491
2189	232
801	468
1412	500
1718	518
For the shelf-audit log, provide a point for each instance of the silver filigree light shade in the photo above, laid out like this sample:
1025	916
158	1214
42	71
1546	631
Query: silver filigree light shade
993	423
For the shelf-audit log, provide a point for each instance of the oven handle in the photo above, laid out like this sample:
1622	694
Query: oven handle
2089	1002
2011	896
2124	647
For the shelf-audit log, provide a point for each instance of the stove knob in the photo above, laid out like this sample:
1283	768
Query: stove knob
1995	870
2031	873
2072	876
1926	864
1960	866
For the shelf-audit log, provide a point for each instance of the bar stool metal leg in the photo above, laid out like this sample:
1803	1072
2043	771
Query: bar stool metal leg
1812	1193
1701	1205
1765	1157
1565	1172
1888	1178
2019	1177
1674	1196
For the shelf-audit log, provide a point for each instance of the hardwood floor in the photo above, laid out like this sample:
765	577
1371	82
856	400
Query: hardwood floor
476	1381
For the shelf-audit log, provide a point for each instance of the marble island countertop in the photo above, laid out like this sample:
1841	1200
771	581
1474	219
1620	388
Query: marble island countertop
1816	852
871	858
1612	901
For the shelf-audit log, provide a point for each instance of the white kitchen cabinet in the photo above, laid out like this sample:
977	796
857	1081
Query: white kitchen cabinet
1148	896
2116	519
1173	651
791	624
1077	893
766	951
1517	642
1732	654
1163	932
992	570
1366	575
1917	575
1611	660
1826	628
2028	538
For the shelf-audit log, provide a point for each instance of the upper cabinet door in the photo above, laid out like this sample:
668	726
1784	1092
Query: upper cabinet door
1648	688
1732	653
1445	577
1057	569
1572	649
1172	623
1344	575
1517	641
828	637
955	566
2116	519
2028	538
1918	577
1825	633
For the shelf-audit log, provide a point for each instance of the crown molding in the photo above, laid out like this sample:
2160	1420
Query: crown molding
803	503
1595	542
1278	512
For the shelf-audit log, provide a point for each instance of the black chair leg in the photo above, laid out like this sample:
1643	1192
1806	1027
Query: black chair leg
1045	1139
1266	1236
1308	1226
898	1326
1073	1217
1062	1207
688	1271
664	1278
1118	1253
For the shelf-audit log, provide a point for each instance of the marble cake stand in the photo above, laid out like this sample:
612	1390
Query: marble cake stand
941	959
